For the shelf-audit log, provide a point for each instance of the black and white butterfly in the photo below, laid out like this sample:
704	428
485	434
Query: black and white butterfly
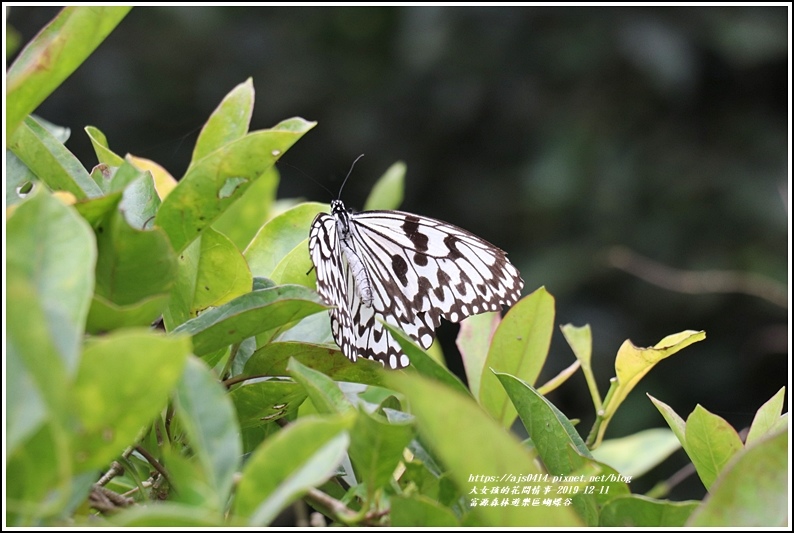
409	270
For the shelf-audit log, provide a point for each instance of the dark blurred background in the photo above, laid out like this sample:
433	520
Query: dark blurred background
555	133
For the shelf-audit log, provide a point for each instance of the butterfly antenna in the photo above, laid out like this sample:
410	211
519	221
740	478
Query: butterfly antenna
306	175
348	175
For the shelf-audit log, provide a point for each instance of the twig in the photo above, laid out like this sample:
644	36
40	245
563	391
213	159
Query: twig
116	469
331	506
691	282
155	463
106	501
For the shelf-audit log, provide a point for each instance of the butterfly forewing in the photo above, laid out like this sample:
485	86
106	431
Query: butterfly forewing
419	270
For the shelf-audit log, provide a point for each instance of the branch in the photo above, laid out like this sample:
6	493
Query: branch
692	282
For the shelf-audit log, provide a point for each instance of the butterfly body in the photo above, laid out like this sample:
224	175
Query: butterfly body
409	270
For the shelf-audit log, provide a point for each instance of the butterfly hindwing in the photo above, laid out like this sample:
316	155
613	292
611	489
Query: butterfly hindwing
419	270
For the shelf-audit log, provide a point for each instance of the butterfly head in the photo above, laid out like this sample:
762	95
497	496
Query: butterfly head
337	207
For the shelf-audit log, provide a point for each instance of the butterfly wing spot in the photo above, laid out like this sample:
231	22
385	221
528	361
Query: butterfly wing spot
400	268
409	271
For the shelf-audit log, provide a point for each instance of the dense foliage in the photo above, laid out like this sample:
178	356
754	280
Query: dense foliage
236	405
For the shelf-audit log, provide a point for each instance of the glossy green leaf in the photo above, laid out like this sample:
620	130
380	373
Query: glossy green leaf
272	359
228	122
102	149
640	511
636	454
676	423
423	363
249	314
563	451
296	267
322	390
445	418
106	316
201	196
420	512
96	210
280	236
376	448
132	265
547	427
262	401
244	218
388	190
519	347
211	272
139	201
50	278
302	456
123	382
711	443
753	489
50	160
208	417
766	418
222	272
474	339
53	55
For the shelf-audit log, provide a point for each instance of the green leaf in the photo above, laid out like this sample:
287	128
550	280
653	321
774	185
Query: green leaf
675	422
123	382
243	219
272	359
581	342
50	161
106	316
766	418
166	515
376	448
39	476
636	454
551	432
228	122
139	201
519	347
132	264
208	416
102	149
474	339
20	180
420	512
260	402
280	236
640	511
210	273
53	55
752	491
296	268
445	418
563	451
322	390
423	363
200	198
711	442
50	278
300	457
249	314
388	190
